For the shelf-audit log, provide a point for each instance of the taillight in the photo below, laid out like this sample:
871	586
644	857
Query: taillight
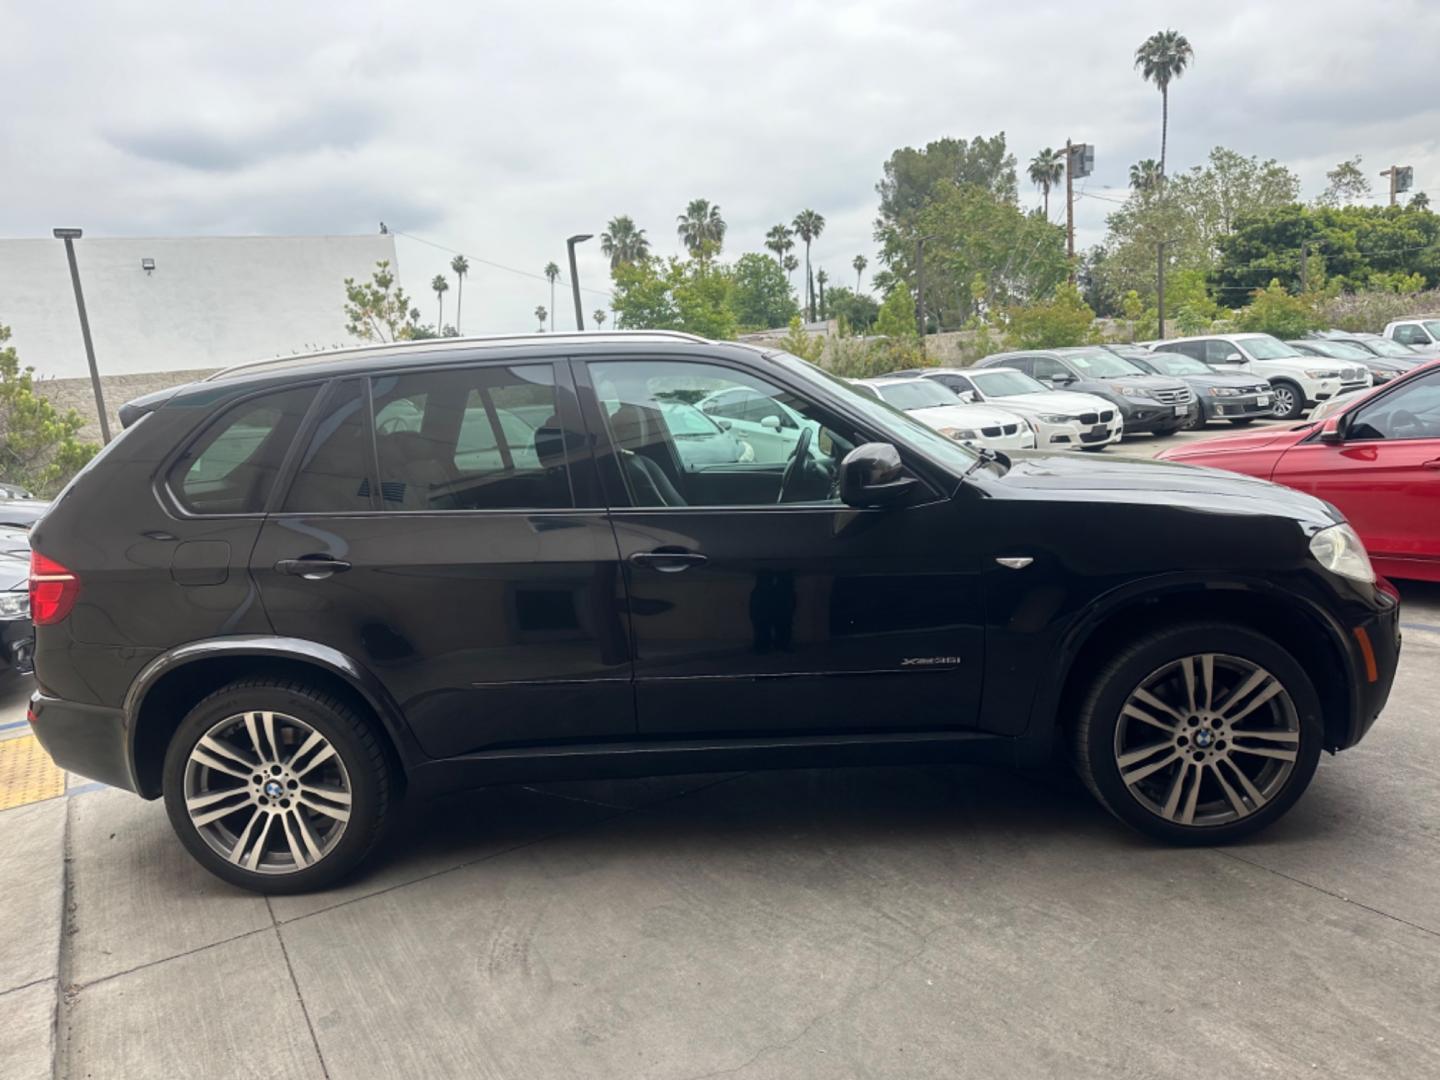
53	589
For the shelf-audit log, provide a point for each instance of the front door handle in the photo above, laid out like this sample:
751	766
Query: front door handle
312	567
1433	463
668	560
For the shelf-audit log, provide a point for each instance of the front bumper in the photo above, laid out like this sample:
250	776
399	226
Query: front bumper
1240	407
1146	414
1070	435
1375	654
91	740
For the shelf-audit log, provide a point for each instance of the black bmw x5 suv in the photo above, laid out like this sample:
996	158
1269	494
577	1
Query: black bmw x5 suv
293	591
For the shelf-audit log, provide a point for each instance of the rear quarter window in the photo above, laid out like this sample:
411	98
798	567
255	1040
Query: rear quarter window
231	466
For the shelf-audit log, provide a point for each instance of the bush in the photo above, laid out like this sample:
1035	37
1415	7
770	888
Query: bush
39	447
1272	310
1063	320
1370	310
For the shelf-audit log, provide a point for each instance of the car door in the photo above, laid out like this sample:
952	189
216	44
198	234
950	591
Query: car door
1051	372
754	614
1385	476
444	529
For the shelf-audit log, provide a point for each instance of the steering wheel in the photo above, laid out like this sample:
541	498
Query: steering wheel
1406	425
796	465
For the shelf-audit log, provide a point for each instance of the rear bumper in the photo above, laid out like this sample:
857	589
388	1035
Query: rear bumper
87	739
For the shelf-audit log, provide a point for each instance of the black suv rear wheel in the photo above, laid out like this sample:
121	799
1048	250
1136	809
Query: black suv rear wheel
276	787
1199	734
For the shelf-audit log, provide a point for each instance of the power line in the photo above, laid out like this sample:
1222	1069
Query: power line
490	263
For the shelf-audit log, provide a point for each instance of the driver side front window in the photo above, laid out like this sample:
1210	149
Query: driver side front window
696	434
1410	412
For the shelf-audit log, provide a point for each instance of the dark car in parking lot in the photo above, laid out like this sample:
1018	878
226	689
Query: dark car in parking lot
1147	403
1381	369
1223	395
349	609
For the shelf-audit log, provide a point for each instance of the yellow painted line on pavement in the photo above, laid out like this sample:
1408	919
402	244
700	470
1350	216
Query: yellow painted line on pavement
27	775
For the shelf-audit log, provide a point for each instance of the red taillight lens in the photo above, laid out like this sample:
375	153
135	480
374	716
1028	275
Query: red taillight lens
53	590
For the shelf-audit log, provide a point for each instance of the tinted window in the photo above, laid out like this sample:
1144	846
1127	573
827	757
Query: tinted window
334	471
231	467
1101	364
1221	352
1410	412
1007	384
483	438
1043	367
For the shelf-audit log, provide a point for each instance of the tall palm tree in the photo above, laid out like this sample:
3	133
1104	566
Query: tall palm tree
779	240
808	226
552	272
441	286
820	279
599	316
701	229
1047	168
859	263
1145	175
540	314
623	243
1162	58
461	266
790	264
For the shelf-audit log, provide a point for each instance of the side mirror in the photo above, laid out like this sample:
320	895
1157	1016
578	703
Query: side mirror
1233	358
872	476
1062	379
1332	431
771	422
967	396
722	424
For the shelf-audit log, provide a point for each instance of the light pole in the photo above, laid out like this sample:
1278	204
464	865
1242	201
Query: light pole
1401	177
578	238
70	236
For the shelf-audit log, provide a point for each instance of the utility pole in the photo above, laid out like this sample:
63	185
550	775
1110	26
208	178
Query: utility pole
1304	266
70	236
1160	285
1401	179
1070	208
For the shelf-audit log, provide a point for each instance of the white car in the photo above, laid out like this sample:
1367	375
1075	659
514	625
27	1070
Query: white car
769	427
1422	332
938	408
1062	419
1298	381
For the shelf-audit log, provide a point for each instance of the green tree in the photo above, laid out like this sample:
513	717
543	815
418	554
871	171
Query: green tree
552	272
622	242
911	176
1146	176
1065	319
1047	168
378	309
855	312
1161	59
1346	184
779	240
461	266
858	264
40	447
441	287
1419	201
540	314
790	265
641	296
808	226
598	316
822	279
797	342
896	317
1272	310
761	298
701	229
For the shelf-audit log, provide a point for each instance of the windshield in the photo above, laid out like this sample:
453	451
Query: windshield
920	394
1340	350
683	420
1168	363
1007	383
1386	347
1102	364
1265	347
886	421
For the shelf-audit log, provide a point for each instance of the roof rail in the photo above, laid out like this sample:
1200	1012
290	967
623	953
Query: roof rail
429	345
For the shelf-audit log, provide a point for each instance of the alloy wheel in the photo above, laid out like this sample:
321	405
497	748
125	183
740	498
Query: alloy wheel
1207	740
267	792
1284	401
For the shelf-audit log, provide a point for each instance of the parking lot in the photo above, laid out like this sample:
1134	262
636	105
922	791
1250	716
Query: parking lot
946	921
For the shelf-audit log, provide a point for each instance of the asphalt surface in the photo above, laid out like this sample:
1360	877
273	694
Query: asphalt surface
946	922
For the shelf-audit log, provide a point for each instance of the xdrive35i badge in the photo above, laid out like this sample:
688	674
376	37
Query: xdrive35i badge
928	661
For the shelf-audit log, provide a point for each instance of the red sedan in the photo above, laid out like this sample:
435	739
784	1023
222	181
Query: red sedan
1377	459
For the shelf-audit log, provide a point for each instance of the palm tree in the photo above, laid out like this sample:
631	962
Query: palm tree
820	279
1046	170
540	314
440	285
790	264
623	243
552	272
599	316
701	229
779	240
1162	58
808	226
461	266
859	263
1145	175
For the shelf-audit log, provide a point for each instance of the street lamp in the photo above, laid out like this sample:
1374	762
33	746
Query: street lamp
70	236
578	238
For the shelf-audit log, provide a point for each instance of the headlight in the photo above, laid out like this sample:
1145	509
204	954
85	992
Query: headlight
1127	391
1340	551
1322	373
1224	391
14	604
959	434
1047	418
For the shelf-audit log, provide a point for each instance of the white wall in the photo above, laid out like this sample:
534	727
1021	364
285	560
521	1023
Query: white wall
210	302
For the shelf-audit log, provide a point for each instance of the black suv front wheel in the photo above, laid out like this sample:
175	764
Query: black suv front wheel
1199	734
276	787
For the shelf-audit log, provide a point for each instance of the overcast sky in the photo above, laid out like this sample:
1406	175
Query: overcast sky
499	129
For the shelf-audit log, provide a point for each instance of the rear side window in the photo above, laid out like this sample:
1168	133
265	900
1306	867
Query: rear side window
231	467
334	471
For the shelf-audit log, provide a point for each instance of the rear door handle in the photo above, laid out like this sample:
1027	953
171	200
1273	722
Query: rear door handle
312	567
668	560
1433	463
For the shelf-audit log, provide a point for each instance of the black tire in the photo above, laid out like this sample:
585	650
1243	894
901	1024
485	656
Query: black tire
1196	422
362	754
1243	420
1289	400
1167	431
1094	449
1093	734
